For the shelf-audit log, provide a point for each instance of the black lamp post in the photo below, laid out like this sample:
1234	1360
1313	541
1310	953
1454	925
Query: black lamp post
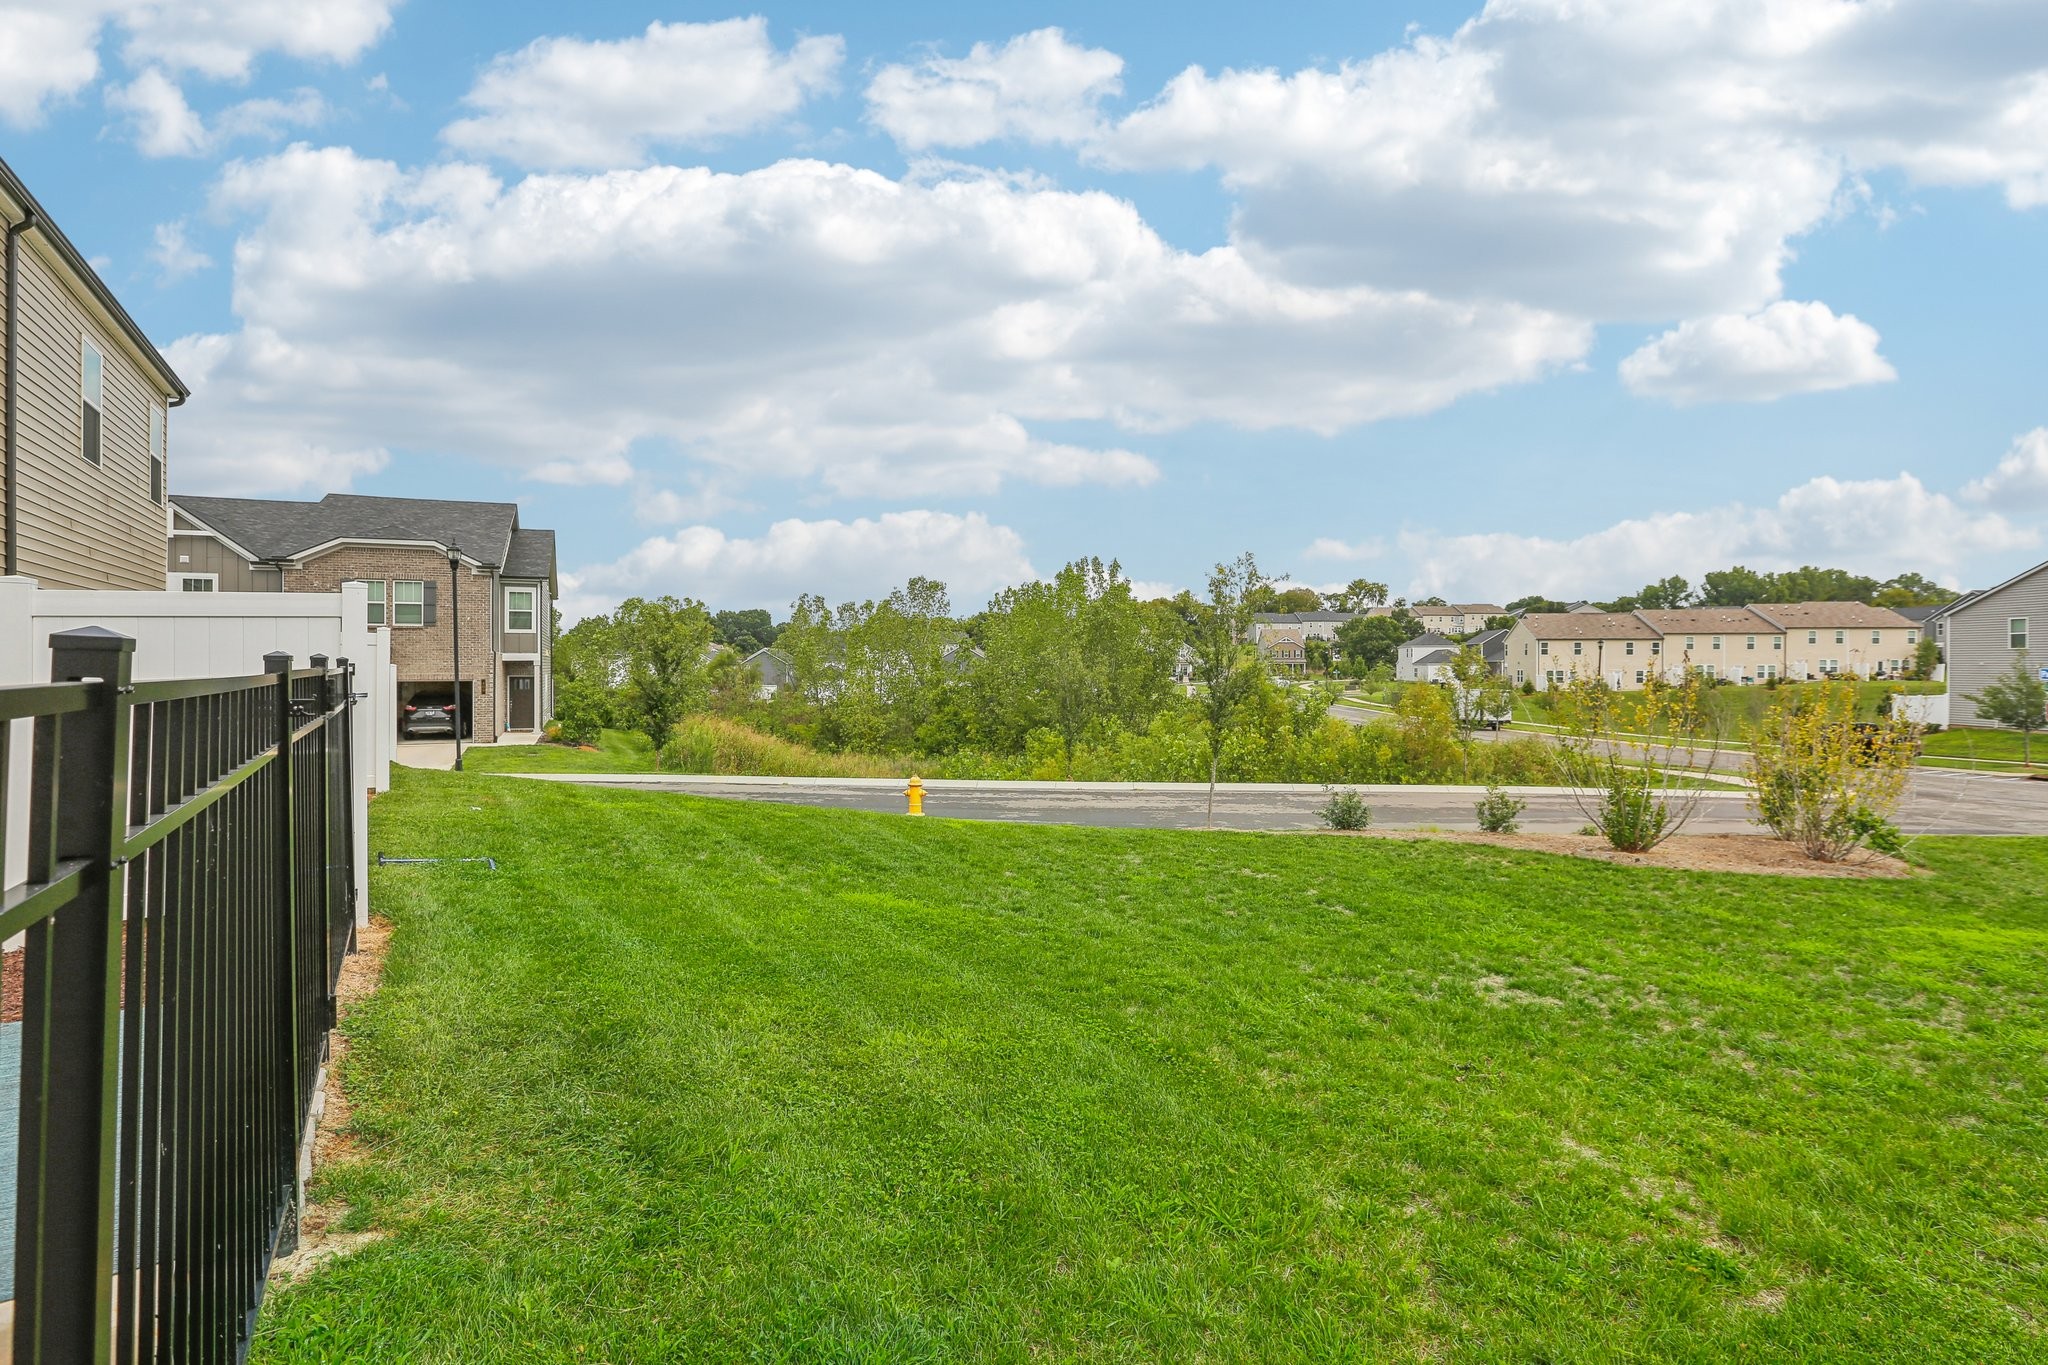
455	620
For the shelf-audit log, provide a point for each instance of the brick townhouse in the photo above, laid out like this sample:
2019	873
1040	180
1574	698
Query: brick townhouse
501	585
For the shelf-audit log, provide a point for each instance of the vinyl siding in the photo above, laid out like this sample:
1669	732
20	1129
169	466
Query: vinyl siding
81	525
1977	649
208	555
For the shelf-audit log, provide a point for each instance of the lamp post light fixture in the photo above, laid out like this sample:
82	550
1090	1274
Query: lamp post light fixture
455	620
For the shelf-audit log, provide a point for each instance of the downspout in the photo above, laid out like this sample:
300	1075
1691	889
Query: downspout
14	231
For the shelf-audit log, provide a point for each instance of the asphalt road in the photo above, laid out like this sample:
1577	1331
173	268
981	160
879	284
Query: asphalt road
1938	802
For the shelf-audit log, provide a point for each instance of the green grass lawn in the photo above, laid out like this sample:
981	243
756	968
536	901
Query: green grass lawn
692	1080
2003	745
617	752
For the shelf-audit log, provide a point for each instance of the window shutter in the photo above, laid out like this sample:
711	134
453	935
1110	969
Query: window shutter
428	592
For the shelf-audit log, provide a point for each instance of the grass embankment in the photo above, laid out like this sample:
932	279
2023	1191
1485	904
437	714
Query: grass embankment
713	744
616	751
1961	747
694	1080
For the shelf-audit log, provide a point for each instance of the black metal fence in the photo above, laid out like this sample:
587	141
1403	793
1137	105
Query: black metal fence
188	898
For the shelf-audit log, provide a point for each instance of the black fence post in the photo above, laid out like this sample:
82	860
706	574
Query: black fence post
64	1224
286	843
348	785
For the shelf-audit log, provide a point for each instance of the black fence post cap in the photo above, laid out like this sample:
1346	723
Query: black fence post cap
317	660
93	637
277	661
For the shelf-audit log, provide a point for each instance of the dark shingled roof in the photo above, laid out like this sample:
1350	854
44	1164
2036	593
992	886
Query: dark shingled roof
487	532
532	555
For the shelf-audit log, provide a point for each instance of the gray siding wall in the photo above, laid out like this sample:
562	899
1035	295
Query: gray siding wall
207	555
81	525
1978	648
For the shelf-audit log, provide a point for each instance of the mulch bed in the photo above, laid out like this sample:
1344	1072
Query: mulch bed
1751	853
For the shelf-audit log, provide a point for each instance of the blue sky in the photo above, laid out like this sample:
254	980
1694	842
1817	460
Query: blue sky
1544	297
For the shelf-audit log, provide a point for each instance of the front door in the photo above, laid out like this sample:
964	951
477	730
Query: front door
522	701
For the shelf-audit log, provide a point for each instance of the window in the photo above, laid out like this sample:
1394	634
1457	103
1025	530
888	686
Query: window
1639	677
1717	642
1543	646
1578	646
1777	642
519	615
2016	632
156	452
1839	638
1912	637
1752	643
1629	648
1876	637
91	395
194	582
376	601
1813	637
1688	644
408	601
1518	677
1656	646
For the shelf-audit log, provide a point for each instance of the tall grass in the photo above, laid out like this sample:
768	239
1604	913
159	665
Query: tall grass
714	745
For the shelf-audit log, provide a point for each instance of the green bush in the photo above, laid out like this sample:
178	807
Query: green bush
1346	809
582	709
1498	812
1630	815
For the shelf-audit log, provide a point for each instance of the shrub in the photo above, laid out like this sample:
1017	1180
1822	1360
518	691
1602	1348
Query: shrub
581	710
1627	758
1346	809
1826	782
1528	687
1879	834
1498	812
1629	813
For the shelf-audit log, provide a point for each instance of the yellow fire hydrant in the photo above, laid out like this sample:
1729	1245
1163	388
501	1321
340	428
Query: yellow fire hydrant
915	791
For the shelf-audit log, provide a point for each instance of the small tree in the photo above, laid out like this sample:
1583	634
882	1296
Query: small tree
1926	658
1822	780
1477	694
663	641
1227	669
2018	701
1630	758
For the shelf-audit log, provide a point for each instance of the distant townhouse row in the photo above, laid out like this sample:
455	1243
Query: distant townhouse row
1284	635
1794	641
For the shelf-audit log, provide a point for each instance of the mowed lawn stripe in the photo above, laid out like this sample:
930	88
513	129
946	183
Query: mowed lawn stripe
719	1080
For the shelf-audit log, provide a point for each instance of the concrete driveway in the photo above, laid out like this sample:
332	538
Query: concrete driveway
1938	802
440	753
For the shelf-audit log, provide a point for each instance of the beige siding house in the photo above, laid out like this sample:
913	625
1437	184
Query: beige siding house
1551	649
86	405
503	582
1825	638
1459	618
1735	643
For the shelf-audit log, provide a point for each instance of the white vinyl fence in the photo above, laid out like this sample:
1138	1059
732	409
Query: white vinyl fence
206	635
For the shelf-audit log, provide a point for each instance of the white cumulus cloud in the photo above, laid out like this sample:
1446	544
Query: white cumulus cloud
1618	159
1876	526
1038	87
51	49
805	321
565	102
845	560
2021	479
174	256
1787	348
163	124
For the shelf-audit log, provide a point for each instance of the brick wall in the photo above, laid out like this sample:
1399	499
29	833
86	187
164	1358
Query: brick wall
422	653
